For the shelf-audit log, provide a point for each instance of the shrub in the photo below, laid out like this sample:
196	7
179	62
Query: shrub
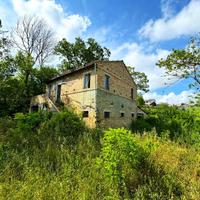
23	132
180	125
140	125
119	158
65	125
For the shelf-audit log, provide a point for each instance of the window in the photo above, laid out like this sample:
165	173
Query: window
122	114
86	81
132	95
106	114
49	91
85	114
140	115
107	82
132	115
58	93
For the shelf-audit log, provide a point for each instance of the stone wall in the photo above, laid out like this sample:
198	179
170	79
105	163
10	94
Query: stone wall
120	80
39	100
73	94
107	102
117	99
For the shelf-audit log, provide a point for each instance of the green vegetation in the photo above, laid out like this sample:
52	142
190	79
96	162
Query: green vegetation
140	101
55	156
184	63
140	79
19	79
25	74
80	52
180	125
47	155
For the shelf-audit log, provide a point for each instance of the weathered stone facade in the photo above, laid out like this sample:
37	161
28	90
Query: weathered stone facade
105	103
117	100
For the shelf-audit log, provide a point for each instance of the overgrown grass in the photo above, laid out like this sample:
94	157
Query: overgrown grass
180	125
55	156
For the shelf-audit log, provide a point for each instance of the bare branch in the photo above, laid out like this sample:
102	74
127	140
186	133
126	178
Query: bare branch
32	35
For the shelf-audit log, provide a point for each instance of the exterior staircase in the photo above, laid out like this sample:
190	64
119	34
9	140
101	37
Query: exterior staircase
43	102
51	105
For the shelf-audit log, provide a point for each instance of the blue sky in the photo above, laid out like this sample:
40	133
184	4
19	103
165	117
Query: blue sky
138	32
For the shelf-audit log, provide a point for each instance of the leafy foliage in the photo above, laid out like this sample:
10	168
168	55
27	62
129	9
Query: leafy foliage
184	63
140	79
9	86
140	100
119	150
80	52
54	156
20	81
20	78
47	155
178	124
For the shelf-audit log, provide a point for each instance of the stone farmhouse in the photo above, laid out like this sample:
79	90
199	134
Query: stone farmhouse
102	92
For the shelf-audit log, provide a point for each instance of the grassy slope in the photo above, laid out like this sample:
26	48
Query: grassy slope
57	157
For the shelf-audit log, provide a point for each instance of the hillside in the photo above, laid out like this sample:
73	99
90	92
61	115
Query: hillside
55	156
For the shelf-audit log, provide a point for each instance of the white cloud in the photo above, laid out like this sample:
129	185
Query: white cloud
167	8
141	57
186	22
64	25
170	98
6	15
101	34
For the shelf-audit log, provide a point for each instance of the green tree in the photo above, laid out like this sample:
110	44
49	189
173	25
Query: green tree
140	79
41	76
9	86
20	78
15	74
140	100
184	63
24	64
195	101
80	52
33	80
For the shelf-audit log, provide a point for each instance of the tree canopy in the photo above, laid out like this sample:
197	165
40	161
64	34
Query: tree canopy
140	79
140	100
184	63
19	79
80	52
